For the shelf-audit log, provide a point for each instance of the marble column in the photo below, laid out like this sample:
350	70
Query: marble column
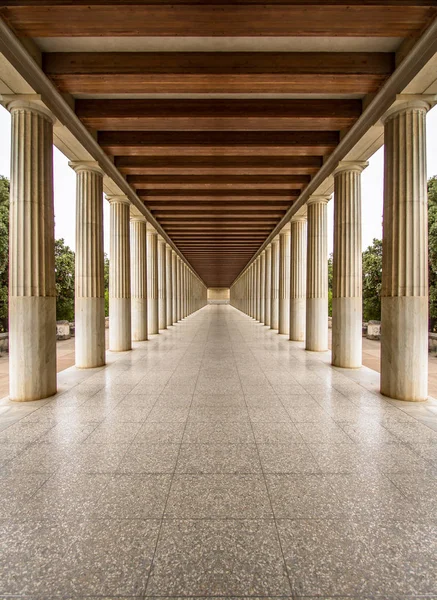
258	289
347	311
169	285
89	313
119	275
152	281
284	281
162	280
179	289
138	247
262	287
174	286
317	275
268	285
404	295
32	292
298	273
274	307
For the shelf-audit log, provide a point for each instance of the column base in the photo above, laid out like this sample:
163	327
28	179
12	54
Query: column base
139	319
32	348
316	324
404	348
347	333
120	324
89	332
297	319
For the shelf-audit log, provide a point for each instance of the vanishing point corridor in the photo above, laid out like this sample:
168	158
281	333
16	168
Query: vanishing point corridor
219	459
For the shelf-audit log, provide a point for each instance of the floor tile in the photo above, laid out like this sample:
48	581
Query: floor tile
223	558
218	497
218	458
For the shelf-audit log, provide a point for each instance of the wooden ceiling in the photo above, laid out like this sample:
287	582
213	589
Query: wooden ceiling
218	144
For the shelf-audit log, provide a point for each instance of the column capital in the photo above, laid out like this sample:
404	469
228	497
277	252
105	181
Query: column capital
406	102
298	219
138	219
151	230
351	165
122	199
319	199
29	102
86	165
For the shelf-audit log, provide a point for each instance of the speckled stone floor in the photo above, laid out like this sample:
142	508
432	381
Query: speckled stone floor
218	460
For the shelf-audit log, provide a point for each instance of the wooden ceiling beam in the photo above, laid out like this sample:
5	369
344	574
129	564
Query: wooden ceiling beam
58	19
96	73
223	165
218	115
218	143
212	182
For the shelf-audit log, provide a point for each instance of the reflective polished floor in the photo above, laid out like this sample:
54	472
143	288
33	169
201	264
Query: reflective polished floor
218	460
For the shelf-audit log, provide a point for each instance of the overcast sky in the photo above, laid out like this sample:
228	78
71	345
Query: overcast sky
65	186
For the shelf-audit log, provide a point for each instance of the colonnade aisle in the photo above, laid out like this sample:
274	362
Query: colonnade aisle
219	459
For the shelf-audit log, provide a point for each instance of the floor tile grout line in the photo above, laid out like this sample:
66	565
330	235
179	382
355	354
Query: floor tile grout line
163	520
267	488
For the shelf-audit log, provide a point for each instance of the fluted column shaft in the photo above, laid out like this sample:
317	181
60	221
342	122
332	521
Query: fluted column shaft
274	307
152	282
298	274
347	272
119	276
258	289
262	284
317	275
32	293
179	289
174	286
284	282
268	286
89	313
169	285
138	247
404	296
162	281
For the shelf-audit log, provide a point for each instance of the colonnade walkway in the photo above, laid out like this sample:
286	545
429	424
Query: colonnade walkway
219	459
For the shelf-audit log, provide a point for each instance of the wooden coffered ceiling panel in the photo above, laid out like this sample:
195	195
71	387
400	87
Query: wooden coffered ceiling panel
219	144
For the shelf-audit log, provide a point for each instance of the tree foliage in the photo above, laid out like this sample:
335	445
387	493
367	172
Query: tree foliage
4	252
432	251
372	280
106	277
64	267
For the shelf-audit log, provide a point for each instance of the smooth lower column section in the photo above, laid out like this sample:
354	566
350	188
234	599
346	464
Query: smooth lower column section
284	281
32	293
162	278
268	285
152	281
89	313
347	273
119	276
404	296
169	284
138	244
298	258
274	307
317	275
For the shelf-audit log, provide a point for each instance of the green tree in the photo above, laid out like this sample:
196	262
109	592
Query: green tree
432	251
64	267
330	276
372	280
4	252
106	277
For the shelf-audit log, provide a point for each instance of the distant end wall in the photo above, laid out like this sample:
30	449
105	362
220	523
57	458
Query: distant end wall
218	295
